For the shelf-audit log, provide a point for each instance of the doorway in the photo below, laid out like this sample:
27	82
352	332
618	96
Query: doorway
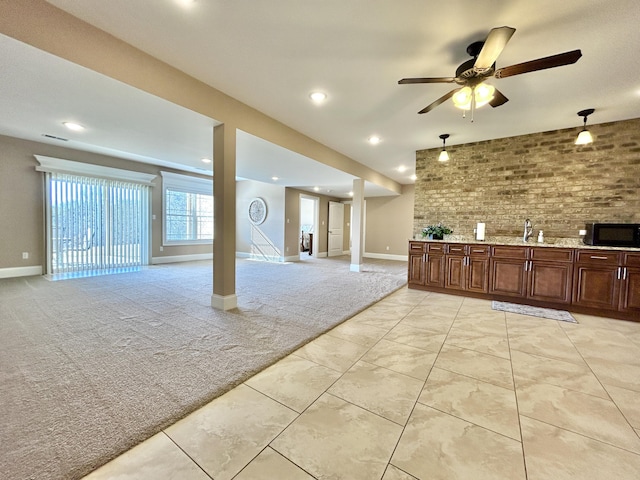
309	219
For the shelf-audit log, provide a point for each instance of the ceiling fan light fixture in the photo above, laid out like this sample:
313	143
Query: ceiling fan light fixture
484	93
444	155
462	98
585	137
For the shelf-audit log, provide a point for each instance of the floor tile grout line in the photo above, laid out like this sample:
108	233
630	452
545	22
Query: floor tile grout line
581	434
164	432
600	382
471	422
326	391
422	389
515	395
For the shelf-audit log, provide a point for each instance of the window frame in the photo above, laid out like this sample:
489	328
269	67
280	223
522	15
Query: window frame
184	184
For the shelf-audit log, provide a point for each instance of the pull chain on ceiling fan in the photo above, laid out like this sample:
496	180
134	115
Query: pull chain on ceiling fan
473	92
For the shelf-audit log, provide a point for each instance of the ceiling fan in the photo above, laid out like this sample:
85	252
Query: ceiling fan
472	92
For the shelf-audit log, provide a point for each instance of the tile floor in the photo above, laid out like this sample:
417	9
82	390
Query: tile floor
421	386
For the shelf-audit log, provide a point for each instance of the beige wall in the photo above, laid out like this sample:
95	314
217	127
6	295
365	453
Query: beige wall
543	176
22	201
389	223
250	237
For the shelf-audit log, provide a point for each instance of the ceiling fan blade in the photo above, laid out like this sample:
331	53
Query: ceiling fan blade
558	60
498	99
405	81
493	46
439	101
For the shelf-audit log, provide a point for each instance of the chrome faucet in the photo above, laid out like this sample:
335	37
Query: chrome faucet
528	230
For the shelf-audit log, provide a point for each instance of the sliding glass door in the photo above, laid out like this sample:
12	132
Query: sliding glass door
95	224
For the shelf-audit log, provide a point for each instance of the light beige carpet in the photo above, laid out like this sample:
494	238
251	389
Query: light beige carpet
92	366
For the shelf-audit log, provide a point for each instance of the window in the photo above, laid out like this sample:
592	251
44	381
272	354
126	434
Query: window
187	210
97	217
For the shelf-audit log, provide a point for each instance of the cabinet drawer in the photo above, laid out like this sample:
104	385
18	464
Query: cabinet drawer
435	247
478	250
502	251
598	257
456	249
552	254
631	259
417	247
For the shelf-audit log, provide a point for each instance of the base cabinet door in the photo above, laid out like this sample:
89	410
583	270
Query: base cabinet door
596	286
508	277
550	282
630	291
455	272
416	269
477	274
596	281
434	275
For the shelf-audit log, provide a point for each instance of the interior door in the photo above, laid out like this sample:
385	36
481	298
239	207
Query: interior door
336	222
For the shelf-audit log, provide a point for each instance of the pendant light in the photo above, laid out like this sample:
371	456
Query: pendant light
584	137
444	156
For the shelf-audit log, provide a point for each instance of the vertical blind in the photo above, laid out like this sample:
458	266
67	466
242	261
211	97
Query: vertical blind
96	223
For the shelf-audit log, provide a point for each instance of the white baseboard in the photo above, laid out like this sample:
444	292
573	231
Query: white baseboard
224	302
20	271
181	258
386	256
322	254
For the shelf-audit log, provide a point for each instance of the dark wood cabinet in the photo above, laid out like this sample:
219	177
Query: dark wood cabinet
435	265
550	274
466	267
590	280
417	263
597	280
508	271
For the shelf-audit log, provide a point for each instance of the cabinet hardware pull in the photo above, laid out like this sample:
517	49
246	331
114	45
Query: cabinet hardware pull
624	275
619	268
594	257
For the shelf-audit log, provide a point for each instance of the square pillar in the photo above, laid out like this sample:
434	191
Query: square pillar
224	218
357	225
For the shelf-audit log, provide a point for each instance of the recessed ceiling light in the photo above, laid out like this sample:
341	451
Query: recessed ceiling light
76	127
402	168
206	160
186	3
374	140
413	177
274	178
351	194
318	97
316	189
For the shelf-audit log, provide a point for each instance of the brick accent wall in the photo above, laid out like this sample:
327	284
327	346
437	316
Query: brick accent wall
542	176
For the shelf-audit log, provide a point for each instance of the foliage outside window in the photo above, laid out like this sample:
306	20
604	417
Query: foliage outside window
187	210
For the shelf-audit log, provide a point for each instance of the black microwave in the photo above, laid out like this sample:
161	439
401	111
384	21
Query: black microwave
613	234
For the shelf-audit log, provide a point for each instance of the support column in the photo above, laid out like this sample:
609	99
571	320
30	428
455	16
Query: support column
224	218
357	225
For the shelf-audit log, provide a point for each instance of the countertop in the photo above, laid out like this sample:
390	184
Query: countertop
551	242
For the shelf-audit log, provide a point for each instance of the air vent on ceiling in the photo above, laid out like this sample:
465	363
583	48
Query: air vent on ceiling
55	138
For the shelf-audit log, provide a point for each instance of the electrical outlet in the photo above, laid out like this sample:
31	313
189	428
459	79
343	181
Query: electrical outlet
25	255
582	232
387	248
162	249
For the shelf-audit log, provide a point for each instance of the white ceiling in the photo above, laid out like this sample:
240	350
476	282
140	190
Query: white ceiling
271	55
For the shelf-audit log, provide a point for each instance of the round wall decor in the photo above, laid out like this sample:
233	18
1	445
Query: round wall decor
257	211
